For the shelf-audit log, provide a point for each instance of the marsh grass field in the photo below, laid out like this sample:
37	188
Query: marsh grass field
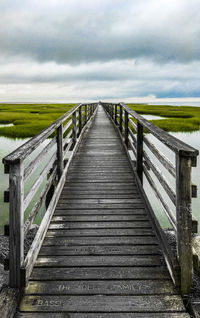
29	119
175	118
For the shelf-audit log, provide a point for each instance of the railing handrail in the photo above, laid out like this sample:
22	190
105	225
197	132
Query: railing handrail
181	219
170	141
23	151
61	151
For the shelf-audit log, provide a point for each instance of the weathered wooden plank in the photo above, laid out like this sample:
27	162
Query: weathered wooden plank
106	201
101	206
100	273
100	186
104	315
115	211
99	218
103	287
99	250
100	232
62	261
102	303
86	195
100	225
106	240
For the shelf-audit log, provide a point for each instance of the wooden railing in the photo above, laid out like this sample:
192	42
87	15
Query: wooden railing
131	128
57	154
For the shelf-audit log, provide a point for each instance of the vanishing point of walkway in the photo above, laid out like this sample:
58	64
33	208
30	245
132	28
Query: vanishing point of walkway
100	257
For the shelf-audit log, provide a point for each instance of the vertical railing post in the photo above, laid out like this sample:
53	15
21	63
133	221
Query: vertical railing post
184	221
85	114
126	120
120	118
74	130
80	119
16	221
60	150
115	115
139	159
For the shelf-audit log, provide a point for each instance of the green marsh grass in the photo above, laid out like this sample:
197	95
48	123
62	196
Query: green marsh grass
30	119
175	118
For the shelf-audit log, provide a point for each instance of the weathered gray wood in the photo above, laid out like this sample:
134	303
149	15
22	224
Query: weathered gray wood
102	303
120	118
60	163
170	141
16	222
99	225
98	218
167	210
21	153
38	204
115	211
161	178
139	148
35	187
126	130
86	114
38	240
99	232
100	273
161	157
34	164
105	240
80	119
66	151
133	125
39	237
104	315
184	221
68	124
103	287
99	250
74	129
194	190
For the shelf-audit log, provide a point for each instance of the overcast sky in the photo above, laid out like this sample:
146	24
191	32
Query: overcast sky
79	50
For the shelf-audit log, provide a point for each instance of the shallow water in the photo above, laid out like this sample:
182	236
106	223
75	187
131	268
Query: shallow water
7	145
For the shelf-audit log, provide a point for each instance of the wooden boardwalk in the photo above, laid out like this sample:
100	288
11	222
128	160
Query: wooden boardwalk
100	257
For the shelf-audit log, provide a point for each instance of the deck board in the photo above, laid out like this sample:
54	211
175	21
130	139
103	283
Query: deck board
100	257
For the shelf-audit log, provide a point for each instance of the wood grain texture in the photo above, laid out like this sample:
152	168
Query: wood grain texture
100	257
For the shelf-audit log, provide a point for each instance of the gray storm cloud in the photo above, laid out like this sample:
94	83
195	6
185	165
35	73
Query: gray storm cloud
101	47
66	32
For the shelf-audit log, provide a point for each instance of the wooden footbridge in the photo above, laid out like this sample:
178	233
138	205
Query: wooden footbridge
100	251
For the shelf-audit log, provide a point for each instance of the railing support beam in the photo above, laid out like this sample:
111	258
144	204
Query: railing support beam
126	128
120	118
80	119
139	159
16	221
184	221
60	150
74	129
